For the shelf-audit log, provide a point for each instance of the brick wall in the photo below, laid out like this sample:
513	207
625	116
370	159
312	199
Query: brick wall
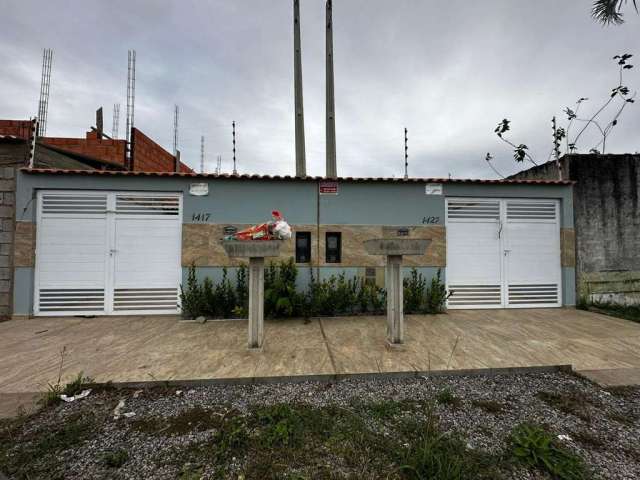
112	151
148	156
18	128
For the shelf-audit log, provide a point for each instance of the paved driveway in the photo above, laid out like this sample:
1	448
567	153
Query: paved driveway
141	348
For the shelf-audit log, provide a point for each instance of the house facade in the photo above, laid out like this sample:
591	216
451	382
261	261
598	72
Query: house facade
121	242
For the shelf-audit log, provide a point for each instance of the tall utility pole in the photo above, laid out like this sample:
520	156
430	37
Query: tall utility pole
45	83
406	154
131	100
202	154
176	113
301	163
233	126
331	103
116	121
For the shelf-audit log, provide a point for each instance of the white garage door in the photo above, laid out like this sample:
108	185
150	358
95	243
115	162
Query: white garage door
107	253
503	253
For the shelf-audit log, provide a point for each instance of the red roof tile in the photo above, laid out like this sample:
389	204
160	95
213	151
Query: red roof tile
53	171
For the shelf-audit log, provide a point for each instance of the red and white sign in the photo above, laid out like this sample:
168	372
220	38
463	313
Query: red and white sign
328	188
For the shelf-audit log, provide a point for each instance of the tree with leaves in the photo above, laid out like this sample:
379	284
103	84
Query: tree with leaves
609	12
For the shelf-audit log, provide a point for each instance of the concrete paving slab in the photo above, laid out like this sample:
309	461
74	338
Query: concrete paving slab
143	348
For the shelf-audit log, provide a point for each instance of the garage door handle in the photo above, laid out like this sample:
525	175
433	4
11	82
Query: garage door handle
112	251
506	252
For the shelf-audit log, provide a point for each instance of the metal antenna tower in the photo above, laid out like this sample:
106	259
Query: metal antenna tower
131	99
45	83
219	165
176	113
301	162
202	154
233	125
331	103
406	154
116	121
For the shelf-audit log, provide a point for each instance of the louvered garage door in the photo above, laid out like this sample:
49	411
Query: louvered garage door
532	259
473	253
503	253
107	253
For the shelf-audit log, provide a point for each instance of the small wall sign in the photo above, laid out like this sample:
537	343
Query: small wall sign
433	189
199	189
328	188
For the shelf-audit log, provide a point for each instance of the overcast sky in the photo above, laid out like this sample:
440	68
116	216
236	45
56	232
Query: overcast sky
448	71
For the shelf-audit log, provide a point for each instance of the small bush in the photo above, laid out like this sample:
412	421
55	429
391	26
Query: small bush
115	459
414	292
192	297
489	406
535	447
447	397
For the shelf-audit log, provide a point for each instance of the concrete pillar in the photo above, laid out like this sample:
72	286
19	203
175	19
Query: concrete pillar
395	309
256	302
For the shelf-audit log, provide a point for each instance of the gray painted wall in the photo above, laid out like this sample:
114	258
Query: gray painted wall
251	201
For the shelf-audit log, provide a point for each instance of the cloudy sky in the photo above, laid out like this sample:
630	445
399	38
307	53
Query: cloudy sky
449	74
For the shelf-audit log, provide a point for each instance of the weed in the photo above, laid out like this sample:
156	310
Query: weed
447	397
196	419
626	418
573	402
489	406
435	455
587	439
623	391
535	447
189	472
115	458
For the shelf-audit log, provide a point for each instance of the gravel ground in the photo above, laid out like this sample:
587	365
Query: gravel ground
603	427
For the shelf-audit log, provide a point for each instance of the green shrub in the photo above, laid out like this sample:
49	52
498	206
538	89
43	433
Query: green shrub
242	288
191	297
535	447
225	296
414	292
280	296
436	295
115	459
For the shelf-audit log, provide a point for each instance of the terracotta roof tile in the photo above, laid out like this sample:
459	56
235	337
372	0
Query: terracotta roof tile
54	171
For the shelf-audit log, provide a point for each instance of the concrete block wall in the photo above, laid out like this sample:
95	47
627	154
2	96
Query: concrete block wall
607	222
7	227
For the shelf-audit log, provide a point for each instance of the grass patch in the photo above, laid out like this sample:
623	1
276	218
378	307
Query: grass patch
433	454
573	402
36	454
534	447
448	398
588	439
627	312
115	458
196	419
489	406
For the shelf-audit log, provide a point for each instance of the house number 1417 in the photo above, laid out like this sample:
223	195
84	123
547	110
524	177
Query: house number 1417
200	217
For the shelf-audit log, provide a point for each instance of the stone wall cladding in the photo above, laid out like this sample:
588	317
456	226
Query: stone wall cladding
568	247
24	252
7	228
201	245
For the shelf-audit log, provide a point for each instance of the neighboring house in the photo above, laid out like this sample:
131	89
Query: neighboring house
93	242
607	222
94	152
